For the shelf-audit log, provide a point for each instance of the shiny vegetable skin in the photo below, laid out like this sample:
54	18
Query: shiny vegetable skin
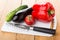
44	12
29	20
20	16
12	13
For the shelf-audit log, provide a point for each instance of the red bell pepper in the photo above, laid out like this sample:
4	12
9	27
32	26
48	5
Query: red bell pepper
44	12
36	7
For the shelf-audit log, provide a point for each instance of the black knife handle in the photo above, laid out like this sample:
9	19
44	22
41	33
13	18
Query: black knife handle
44	30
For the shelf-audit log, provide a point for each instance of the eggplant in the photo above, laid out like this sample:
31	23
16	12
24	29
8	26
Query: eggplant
20	16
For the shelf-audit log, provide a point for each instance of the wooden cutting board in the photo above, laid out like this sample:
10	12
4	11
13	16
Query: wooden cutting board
8	5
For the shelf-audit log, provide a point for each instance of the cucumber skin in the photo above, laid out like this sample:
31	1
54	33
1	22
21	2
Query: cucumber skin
12	13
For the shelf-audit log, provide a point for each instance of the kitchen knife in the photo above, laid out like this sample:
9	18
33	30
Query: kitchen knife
38	29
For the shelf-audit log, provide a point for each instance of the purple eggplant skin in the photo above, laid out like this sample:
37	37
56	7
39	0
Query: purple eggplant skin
20	16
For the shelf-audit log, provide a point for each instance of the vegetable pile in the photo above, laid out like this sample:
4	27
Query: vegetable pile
41	12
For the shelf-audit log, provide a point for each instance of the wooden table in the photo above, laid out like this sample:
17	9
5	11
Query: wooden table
8	5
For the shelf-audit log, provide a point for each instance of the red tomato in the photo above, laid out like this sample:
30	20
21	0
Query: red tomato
29	20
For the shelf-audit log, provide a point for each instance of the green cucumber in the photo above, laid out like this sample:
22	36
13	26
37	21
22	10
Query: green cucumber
12	13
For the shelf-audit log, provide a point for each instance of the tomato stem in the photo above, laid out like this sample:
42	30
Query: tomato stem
29	17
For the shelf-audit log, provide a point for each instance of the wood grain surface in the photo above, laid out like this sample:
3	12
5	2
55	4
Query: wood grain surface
9	5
